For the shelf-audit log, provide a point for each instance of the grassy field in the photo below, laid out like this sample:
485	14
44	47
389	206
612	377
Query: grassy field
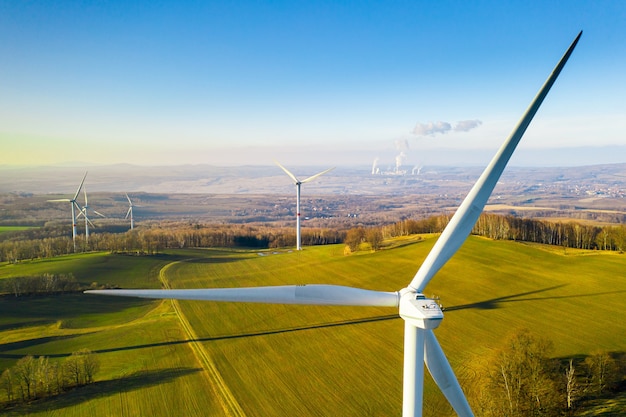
301	360
4	229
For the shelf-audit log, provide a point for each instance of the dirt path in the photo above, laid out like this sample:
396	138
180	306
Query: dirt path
227	399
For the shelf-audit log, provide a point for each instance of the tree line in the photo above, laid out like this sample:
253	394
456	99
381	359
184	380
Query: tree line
568	234
152	238
32	378
520	379
46	283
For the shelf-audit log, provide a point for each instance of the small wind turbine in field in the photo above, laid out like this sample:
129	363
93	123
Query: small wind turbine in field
298	183
74	205
421	315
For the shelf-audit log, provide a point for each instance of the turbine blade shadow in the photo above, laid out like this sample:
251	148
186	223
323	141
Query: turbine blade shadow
363	320
494	302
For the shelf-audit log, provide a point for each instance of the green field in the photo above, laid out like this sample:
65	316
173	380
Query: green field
261	360
4	229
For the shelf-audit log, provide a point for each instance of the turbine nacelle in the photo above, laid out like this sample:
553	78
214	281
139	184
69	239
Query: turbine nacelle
419	311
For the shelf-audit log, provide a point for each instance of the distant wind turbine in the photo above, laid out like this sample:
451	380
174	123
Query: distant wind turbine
421	315
74	205
130	213
298	183
85	213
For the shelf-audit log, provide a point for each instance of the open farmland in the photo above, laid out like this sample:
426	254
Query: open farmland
345	197
301	360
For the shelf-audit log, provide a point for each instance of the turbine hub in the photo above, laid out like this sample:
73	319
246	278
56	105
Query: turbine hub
421	312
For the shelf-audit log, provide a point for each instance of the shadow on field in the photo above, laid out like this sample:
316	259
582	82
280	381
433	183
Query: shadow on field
99	389
495	302
19	325
46	308
23	344
255	334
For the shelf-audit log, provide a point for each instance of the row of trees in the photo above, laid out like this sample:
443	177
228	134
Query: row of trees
566	234
154	238
521	380
31	378
157	237
42	284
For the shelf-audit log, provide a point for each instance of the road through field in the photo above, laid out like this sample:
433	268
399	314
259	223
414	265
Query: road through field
227	399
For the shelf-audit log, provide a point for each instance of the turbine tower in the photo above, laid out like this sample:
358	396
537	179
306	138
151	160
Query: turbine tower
298	183
85	214
130	213
421	315
74	205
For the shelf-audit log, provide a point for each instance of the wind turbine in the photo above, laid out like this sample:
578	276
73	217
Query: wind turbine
85	214
421	315
298	183
74	205
130	212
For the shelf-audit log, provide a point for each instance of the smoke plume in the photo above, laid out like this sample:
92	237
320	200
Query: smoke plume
466	125
432	128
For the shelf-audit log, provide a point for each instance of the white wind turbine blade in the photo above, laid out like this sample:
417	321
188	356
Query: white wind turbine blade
467	214
99	214
293	177
75	195
443	375
286	294
81	210
90	222
80	186
130	212
311	178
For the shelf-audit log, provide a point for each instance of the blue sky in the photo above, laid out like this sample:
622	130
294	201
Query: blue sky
308	83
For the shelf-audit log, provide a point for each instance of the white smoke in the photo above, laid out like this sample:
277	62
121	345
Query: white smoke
432	128
466	125
374	165
401	144
399	159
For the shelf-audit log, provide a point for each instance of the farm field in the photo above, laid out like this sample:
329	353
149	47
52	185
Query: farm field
260	360
4	229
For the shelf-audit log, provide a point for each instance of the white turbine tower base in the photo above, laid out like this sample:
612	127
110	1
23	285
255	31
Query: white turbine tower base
298	183
421	315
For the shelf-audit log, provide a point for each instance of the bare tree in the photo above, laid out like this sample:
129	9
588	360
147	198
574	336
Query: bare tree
602	371
374	237
24	371
8	381
572	387
73	370
520	380
90	364
81	367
